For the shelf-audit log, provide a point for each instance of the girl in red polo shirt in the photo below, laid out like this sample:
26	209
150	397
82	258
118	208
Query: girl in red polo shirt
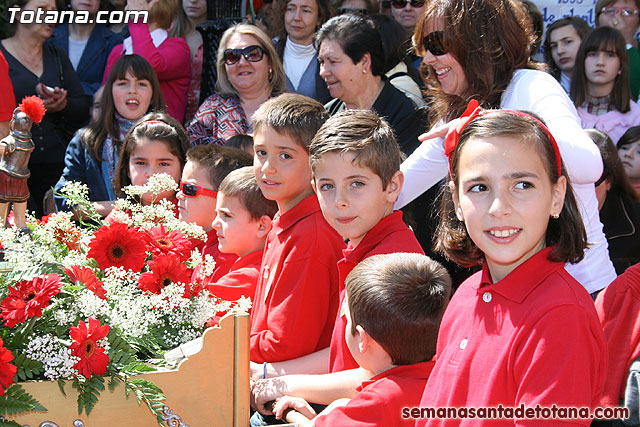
521	333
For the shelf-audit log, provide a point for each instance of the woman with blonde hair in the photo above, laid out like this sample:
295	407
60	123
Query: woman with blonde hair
249	73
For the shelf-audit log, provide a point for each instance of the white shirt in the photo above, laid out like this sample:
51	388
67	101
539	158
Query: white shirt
296	58
539	93
76	47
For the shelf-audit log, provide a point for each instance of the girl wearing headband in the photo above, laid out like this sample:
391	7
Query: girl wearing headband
503	338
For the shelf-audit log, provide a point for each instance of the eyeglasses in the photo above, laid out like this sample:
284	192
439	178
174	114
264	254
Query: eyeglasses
192	190
624	11
343	10
401	4
432	42
253	53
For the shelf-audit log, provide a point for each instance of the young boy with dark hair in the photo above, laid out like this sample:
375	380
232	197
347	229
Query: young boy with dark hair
355	162
395	304
206	167
242	223
296	297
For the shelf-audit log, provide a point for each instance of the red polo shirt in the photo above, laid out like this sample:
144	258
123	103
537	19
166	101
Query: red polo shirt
223	261
240	280
297	293
532	338
380	400
618	306
390	235
7	100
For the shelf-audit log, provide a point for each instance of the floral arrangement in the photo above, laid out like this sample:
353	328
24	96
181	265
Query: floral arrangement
92	304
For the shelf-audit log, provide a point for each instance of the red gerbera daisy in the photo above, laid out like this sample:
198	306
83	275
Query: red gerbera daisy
7	370
85	276
115	245
69	236
28	298
160	242
165	270
93	359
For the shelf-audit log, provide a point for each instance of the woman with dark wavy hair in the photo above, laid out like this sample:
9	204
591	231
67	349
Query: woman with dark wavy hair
480	49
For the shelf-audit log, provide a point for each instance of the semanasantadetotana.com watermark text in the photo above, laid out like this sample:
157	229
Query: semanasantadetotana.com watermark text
42	16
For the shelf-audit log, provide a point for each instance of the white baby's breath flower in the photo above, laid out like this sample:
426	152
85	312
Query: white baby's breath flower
74	191
90	305
208	266
57	360
244	304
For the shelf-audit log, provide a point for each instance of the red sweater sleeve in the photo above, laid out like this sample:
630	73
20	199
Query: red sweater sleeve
7	100
171	60
235	284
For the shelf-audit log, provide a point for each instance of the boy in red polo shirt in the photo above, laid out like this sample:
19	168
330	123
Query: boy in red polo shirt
296	298
395	303
355	162
206	167
242	223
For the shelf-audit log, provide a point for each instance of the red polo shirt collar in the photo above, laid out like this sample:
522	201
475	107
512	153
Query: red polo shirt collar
420	371
387	225
306	207
521	281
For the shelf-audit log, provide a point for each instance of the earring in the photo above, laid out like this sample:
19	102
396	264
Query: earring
364	71
555	216
270	73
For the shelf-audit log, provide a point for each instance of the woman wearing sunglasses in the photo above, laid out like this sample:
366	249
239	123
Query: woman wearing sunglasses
249	73
623	16
352	64
298	22
479	49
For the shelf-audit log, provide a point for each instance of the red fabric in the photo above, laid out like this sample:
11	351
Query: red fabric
618	306
531	338
223	261
171	62
380	400
388	236
7	100
240	281
297	293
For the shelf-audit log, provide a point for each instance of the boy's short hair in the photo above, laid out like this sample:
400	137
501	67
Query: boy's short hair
399	300
242	183
240	141
363	133
218	160
296	116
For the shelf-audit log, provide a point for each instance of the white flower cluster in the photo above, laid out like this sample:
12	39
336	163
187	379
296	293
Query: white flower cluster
89	305
189	229
25	253
74	191
208	266
155	185
57	360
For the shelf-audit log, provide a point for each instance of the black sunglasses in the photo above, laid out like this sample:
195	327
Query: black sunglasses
401	4
432	42
343	10
253	53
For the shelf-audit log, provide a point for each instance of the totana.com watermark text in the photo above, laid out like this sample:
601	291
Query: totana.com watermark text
42	16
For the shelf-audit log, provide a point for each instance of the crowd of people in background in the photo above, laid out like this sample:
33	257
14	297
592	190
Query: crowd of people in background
124	102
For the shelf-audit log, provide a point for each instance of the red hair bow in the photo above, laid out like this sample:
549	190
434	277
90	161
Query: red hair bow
451	140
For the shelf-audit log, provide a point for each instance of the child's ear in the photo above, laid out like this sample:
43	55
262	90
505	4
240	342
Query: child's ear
313	185
559	190
364	339
456	201
394	187
264	226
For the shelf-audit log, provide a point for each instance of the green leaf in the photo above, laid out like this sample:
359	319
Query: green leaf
16	400
8	423
61	383
150	393
88	392
27	369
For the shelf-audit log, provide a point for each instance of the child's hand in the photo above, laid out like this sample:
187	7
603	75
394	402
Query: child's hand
265	391
298	404
440	131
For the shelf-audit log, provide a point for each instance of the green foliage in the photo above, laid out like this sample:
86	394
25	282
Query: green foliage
17	400
88	392
148	392
27	369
